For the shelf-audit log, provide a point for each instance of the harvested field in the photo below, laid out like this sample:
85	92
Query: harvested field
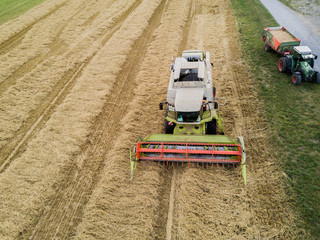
80	82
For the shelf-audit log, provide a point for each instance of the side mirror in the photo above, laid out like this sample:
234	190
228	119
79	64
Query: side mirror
216	105
315	57
161	106
211	64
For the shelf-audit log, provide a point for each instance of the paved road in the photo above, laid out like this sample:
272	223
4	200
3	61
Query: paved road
296	24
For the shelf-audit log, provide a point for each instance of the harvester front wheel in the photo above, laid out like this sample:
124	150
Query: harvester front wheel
282	64
317	78
296	78
211	127
168	126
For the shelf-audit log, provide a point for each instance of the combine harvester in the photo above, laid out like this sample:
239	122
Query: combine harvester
296	59
191	121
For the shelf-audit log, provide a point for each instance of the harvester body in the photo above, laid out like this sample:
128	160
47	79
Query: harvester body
296	59
191	120
191	101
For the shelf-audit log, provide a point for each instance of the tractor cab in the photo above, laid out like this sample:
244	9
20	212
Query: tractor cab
302	65
304	54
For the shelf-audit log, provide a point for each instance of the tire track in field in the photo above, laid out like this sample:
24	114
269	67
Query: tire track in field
170	177
66	208
198	195
43	113
13	41
176	173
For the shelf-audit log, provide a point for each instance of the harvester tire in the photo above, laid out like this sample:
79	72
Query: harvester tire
282	64
267	48
168	126
296	78
317	78
211	127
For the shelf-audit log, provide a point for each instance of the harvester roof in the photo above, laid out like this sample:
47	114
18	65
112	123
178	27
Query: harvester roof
189	99
193	55
182	65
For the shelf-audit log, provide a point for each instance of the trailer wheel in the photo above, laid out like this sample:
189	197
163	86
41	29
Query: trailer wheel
211	127
267	48
296	78
282	64
317	78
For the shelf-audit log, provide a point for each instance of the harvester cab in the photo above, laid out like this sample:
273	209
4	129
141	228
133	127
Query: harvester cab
191	121
191	101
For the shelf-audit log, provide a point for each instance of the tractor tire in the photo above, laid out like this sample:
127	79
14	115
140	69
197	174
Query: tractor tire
211	127
282	64
317	78
296	78
168	126
311	62
289	64
267	48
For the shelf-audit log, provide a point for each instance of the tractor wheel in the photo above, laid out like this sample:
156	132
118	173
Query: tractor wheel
168	126
267	48
289	64
311	62
211	127
282	64
296	78
317	78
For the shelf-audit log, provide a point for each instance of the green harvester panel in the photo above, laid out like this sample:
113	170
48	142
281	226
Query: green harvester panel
217	139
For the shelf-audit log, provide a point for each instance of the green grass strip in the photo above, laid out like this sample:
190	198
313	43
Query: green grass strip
10	9
292	111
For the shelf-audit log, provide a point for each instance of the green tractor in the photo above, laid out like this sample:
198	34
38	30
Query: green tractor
300	63
296	59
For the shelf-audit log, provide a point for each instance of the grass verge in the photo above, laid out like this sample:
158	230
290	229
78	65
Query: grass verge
293	113
10	9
